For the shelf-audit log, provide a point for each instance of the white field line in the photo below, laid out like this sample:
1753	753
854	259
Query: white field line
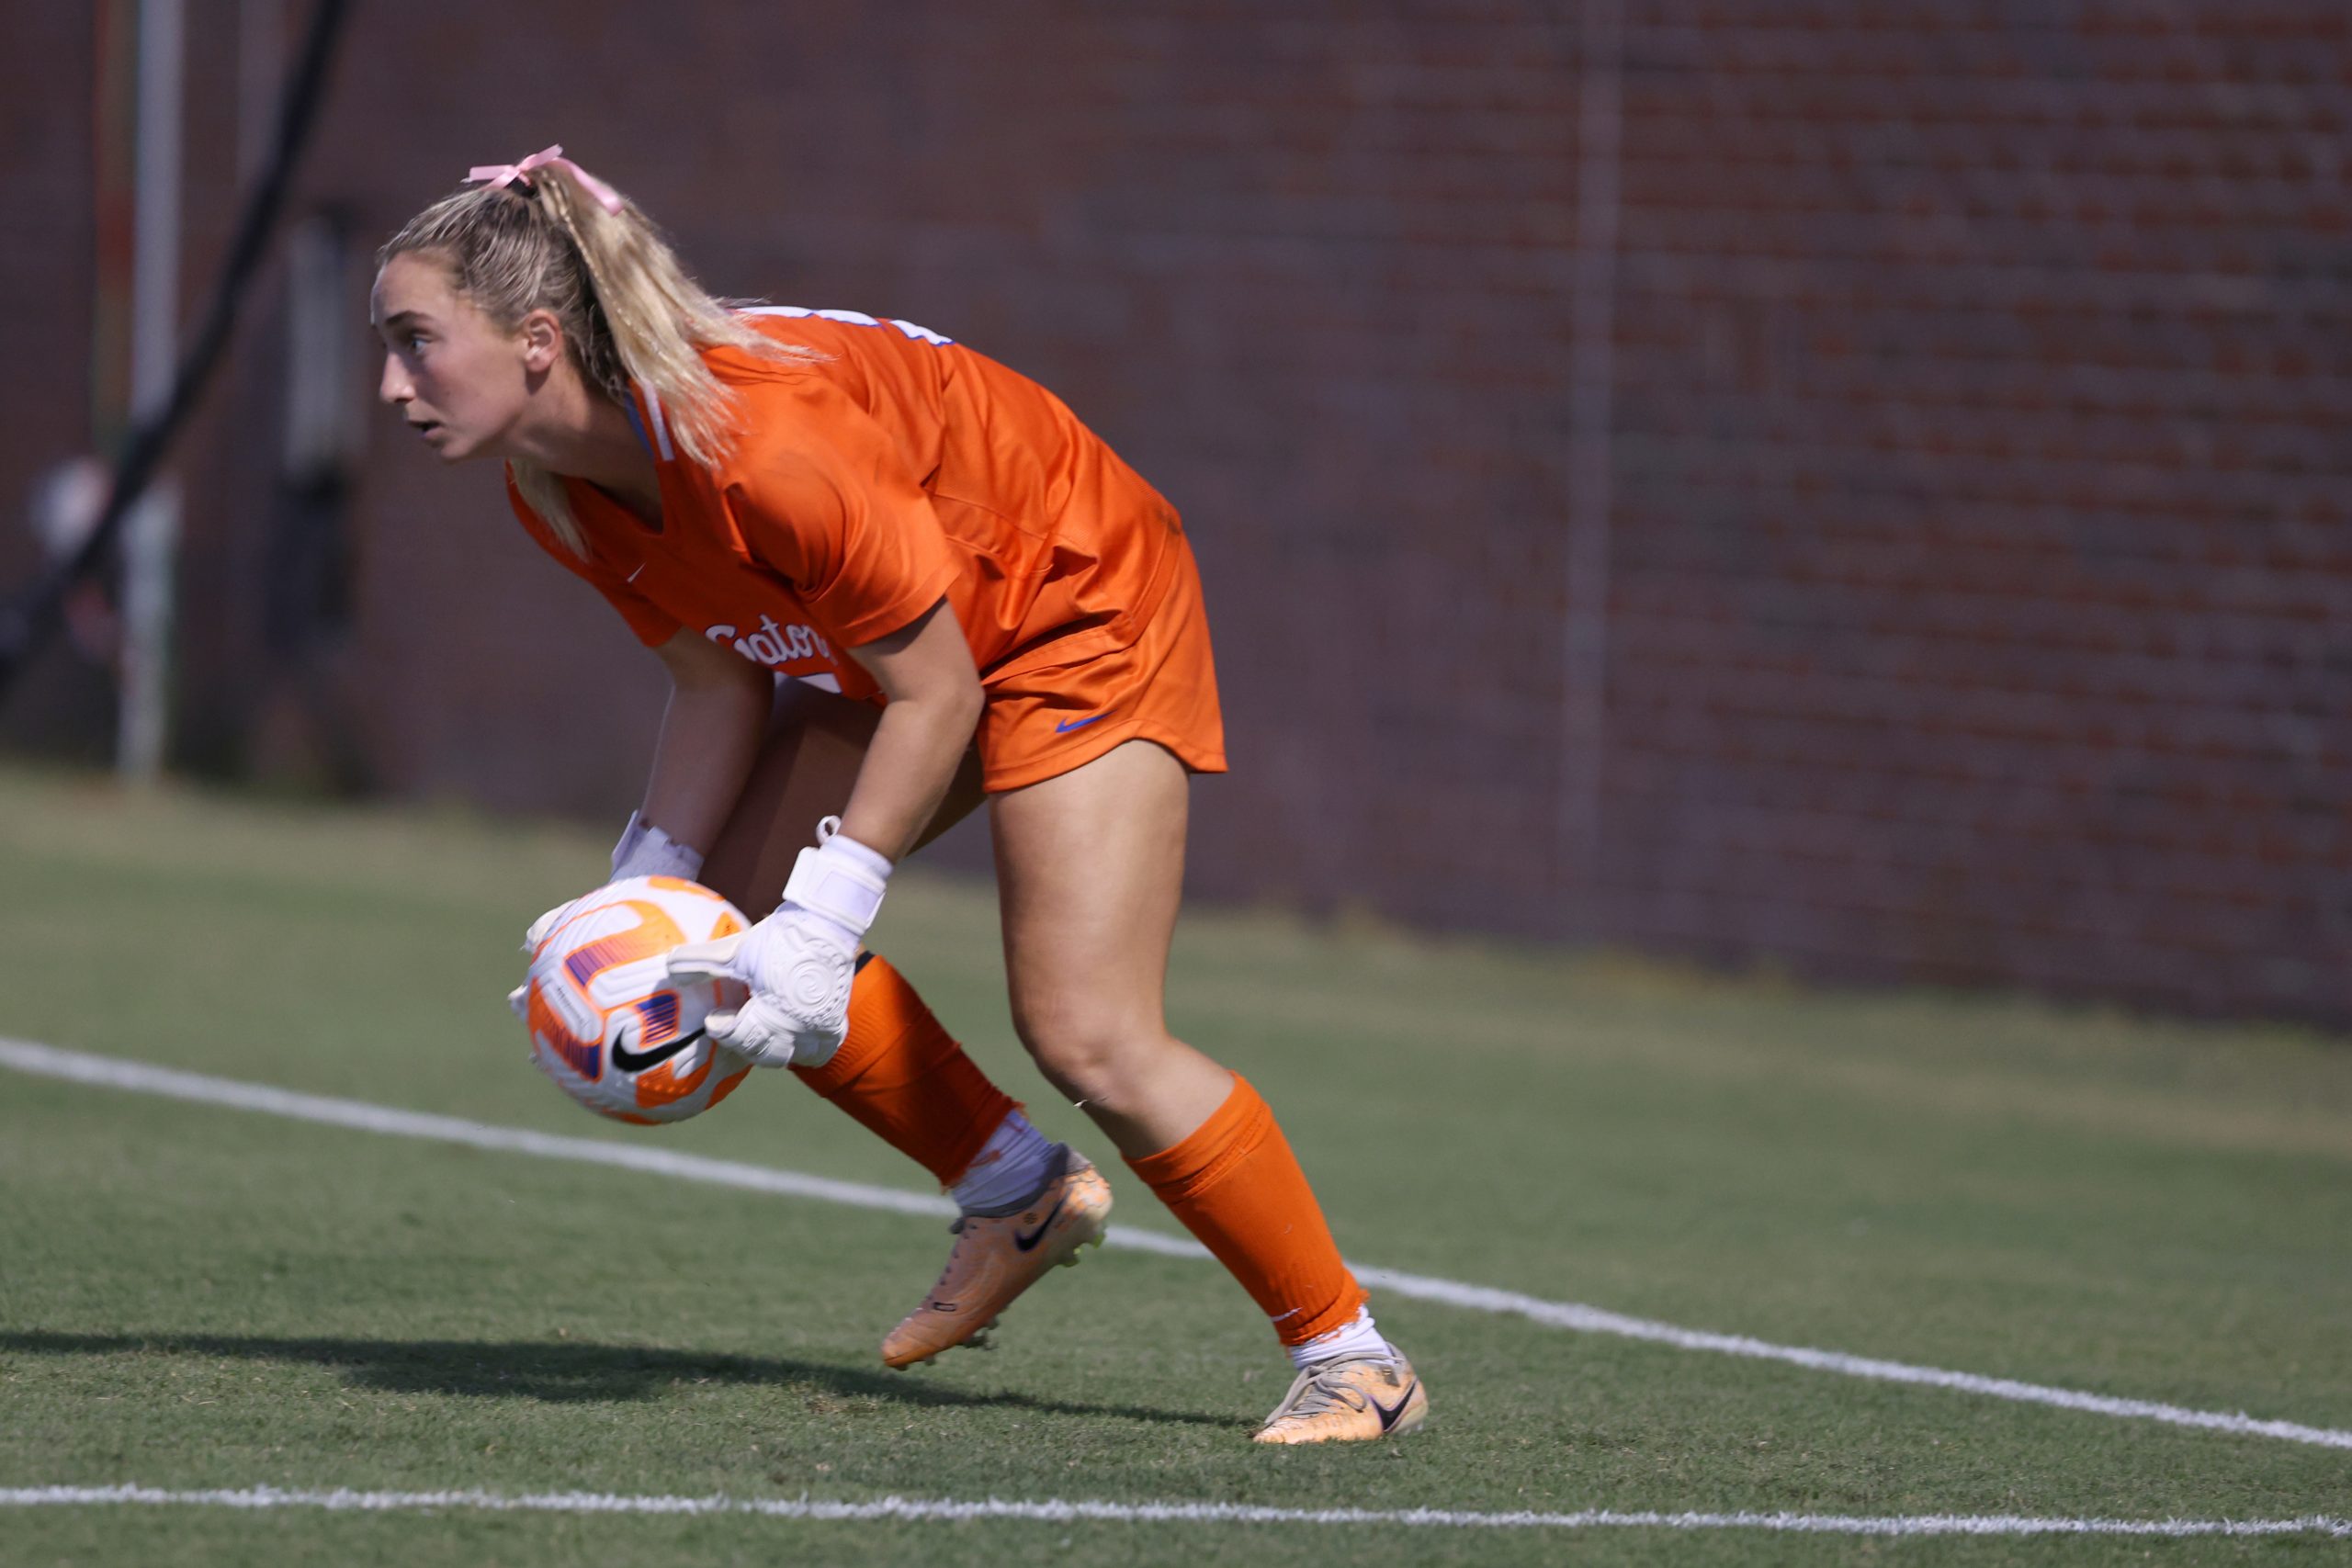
79	1067
1056	1510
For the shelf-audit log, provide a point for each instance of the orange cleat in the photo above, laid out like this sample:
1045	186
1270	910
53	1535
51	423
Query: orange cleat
1349	1401
996	1256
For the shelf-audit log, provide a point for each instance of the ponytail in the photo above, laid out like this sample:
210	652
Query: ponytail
547	238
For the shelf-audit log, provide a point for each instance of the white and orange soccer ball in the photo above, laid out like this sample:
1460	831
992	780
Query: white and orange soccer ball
610	1025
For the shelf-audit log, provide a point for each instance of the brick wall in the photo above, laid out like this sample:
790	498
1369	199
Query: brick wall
47	77
1982	592
1857	485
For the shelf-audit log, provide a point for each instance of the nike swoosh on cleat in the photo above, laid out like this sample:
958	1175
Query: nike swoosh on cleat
1388	1414
630	1061
1029	1243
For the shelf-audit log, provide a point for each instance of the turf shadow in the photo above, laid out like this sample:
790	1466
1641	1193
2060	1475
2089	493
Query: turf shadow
566	1371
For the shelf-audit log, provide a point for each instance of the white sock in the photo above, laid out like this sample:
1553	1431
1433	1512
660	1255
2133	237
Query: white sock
1356	1336
1010	1165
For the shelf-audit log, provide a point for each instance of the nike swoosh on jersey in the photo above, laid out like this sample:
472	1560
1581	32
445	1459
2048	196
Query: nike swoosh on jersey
1078	723
630	1061
1029	1243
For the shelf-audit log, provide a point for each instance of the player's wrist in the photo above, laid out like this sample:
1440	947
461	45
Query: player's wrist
840	882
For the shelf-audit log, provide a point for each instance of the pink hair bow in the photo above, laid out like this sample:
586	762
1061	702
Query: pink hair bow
508	173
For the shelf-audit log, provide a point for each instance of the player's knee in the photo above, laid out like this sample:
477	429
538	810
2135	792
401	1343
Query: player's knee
1085	1051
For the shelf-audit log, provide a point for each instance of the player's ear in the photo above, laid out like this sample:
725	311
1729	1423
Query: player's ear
542	339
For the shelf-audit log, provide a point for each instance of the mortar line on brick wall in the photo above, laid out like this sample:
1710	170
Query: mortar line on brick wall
1592	316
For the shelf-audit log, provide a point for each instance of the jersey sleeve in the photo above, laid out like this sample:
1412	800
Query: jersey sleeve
652	626
823	497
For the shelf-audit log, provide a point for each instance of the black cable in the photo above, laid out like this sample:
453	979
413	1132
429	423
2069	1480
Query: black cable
26	625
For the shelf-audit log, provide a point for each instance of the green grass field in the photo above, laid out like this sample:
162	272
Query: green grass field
195	1296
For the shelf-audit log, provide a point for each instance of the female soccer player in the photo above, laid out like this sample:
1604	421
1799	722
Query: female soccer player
974	598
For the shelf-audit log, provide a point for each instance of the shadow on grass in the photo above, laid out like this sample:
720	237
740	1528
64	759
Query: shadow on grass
563	1371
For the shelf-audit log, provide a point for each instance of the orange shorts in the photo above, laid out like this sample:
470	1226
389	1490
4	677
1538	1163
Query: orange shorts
1044	721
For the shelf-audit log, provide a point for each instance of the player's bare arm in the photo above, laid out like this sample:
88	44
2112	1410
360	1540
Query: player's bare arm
925	669
710	735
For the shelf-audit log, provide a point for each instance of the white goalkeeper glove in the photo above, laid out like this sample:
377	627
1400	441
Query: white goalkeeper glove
643	851
799	961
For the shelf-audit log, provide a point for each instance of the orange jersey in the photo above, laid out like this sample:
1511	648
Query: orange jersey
866	486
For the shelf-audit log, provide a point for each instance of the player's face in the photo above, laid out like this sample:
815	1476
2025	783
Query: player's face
458	380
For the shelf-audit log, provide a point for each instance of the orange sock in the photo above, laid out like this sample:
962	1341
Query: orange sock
904	1077
1236	1185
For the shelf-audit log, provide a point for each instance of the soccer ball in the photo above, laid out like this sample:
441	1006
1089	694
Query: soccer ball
607	1021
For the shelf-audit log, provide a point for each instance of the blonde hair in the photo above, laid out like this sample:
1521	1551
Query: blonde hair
628	309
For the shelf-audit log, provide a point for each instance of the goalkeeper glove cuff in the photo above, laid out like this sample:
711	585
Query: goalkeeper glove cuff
647	851
841	881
